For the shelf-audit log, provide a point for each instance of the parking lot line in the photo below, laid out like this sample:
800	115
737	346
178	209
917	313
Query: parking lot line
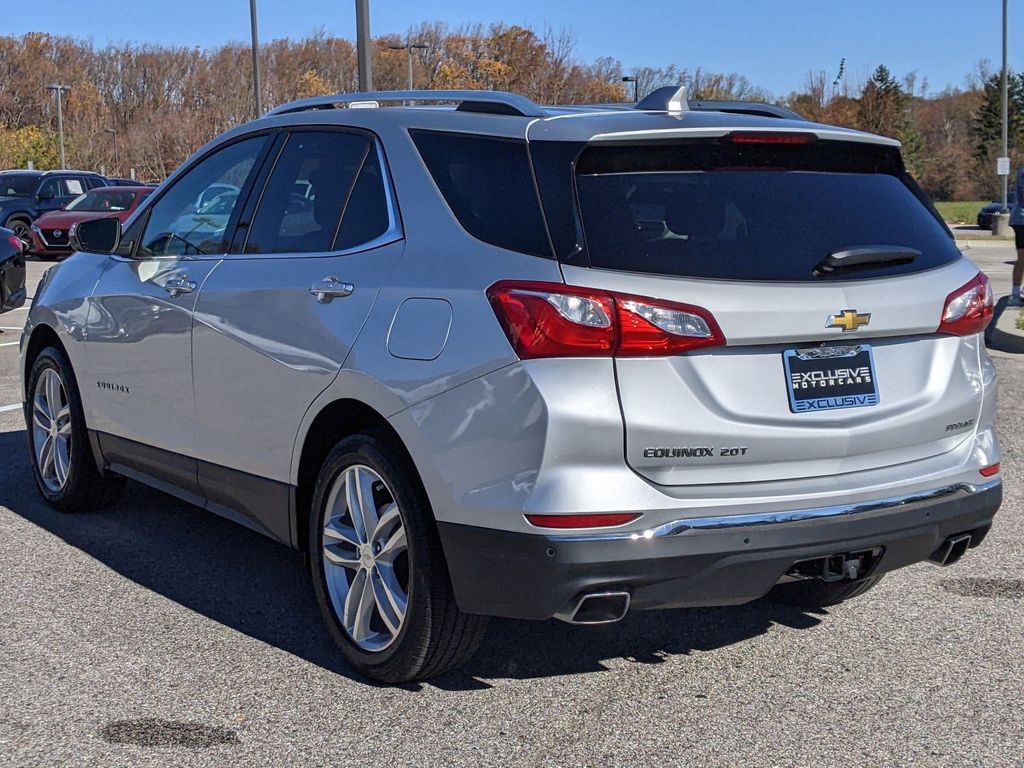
9	343
6	408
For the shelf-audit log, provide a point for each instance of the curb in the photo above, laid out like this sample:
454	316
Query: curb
1002	333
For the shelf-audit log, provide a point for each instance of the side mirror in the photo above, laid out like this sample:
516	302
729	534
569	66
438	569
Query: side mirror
45	196
97	236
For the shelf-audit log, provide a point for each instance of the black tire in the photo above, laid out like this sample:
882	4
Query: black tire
84	488
435	636
21	227
812	593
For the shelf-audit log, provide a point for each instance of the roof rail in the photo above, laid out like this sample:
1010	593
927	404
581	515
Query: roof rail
469	101
672	97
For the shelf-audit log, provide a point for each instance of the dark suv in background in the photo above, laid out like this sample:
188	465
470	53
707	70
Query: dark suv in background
27	195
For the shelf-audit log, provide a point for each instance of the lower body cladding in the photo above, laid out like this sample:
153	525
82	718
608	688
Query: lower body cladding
596	577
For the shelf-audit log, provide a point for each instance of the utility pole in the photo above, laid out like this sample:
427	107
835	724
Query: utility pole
364	49
408	48
60	90
1006	152
113	132
255	59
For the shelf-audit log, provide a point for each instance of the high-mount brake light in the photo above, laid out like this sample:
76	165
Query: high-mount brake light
968	309
771	138
603	520
556	320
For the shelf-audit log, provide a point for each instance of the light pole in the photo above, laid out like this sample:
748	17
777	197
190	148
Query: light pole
1006	152
113	133
364	49
60	90
408	48
255	59
636	84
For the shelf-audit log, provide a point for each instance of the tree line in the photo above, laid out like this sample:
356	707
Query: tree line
147	107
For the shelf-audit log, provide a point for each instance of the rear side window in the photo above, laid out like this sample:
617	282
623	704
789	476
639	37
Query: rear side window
766	213
301	208
366	215
488	184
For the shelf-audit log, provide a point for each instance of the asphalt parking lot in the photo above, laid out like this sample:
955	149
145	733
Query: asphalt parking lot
157	634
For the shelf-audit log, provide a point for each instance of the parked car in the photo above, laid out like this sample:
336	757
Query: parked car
985	214
471	378
115	181
50	232
12	271
27	195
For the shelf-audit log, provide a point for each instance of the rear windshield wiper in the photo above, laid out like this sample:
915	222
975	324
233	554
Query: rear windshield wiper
864	257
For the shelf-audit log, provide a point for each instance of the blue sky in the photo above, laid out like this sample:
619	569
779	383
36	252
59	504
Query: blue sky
775	43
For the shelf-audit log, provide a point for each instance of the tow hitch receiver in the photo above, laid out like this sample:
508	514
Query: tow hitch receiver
842	567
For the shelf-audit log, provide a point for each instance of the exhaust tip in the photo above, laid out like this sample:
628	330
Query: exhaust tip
952	549
597	608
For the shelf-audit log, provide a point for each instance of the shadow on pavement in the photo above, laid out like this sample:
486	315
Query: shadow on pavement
253	585
1002	333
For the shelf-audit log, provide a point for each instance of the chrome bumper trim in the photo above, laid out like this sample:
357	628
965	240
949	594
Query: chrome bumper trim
680	527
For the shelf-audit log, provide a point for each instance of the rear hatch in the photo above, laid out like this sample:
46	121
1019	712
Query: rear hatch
822	275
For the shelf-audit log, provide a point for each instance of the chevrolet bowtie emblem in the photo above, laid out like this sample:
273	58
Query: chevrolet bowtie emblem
848	320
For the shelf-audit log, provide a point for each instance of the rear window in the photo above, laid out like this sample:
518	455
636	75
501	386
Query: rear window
761	212
488	184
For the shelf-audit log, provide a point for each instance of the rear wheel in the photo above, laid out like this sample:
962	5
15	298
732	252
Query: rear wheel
812	593
62	459
378	569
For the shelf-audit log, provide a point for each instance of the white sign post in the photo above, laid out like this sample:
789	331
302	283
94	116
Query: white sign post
1003	166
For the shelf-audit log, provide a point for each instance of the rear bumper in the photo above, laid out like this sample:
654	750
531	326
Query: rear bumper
721	561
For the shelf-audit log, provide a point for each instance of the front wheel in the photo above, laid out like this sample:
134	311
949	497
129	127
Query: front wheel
378	569
21	228
62	459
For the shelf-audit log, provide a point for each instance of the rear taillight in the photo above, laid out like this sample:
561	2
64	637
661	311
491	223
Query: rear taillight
16	242
555	320
968	309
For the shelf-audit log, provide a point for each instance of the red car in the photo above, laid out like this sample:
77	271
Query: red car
50	232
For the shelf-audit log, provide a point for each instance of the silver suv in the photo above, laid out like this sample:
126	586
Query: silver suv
495	359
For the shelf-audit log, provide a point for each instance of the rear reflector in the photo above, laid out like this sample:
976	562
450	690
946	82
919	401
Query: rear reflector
992	469
16	242
582	521
556	320
969	308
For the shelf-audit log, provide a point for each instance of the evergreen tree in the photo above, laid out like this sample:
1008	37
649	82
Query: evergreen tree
988	121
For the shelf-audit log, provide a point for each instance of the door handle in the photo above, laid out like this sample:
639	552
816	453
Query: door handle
179	285
330	288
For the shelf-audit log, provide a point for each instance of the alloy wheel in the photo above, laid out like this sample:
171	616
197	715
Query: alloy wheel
51	429
366	558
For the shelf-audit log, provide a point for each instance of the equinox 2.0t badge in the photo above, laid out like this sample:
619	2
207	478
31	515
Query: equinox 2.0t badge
848	320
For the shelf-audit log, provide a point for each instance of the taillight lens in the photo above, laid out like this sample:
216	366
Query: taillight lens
969	308
16	242
555	320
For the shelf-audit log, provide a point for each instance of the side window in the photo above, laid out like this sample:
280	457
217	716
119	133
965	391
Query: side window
306	193
366	215
488	184
51	188
193	216
91	182
73	185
